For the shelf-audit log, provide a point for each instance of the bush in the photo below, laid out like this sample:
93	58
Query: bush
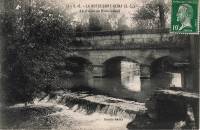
38	38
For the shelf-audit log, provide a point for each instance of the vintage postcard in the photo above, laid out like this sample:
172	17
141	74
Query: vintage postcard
99	64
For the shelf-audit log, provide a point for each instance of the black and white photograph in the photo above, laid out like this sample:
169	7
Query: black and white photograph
98	65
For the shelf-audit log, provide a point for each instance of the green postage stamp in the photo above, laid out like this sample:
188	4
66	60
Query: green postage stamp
185	16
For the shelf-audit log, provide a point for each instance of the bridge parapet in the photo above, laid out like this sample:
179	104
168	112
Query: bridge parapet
131	47
121	32
129	40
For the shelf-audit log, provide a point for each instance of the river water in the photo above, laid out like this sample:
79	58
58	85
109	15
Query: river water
125	84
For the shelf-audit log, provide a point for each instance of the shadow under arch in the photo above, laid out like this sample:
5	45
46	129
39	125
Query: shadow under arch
112	66
162	64
165	74
77	64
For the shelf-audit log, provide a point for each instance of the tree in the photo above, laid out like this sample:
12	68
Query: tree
38	40
152	15
106	25
122	23
94	23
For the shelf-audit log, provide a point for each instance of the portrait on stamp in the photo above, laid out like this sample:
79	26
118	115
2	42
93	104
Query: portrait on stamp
184	17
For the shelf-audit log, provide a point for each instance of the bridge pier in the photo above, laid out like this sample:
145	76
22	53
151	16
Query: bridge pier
145	71
98	71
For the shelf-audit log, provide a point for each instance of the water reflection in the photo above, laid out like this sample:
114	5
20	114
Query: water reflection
127	85
130	76
176	80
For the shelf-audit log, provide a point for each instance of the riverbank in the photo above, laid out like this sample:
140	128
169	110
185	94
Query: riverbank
66	110
53	116
82	110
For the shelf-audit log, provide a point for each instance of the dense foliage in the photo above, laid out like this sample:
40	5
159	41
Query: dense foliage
36	40
152	15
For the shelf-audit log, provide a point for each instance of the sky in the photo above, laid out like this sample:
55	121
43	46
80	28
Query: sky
78	9
131	7
127	13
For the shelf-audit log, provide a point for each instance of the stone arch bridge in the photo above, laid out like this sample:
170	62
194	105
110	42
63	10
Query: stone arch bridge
141	47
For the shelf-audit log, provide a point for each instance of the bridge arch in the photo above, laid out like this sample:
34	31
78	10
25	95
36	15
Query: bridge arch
76	57
167	72
119	58
161	64
113	66
78	64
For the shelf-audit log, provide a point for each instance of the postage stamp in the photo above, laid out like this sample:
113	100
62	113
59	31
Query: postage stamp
185	16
